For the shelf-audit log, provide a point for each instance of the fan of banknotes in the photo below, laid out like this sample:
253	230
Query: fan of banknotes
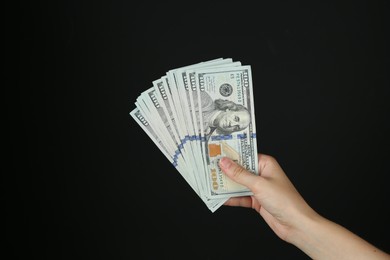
198	114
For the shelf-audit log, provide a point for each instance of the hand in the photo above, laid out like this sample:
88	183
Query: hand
291	218
274	196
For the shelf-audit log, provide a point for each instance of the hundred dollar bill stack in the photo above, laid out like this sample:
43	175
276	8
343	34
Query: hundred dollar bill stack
198	114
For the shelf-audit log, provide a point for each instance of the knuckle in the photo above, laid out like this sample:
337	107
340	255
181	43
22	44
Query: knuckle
238	171
269	158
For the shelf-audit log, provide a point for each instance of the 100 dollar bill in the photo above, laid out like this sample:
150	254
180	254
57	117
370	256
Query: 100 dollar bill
225	107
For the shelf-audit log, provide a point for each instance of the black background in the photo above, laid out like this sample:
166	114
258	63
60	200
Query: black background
86	182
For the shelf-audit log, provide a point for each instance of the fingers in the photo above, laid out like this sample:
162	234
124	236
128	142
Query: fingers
237	173
239	202
268	166
263	160
266	160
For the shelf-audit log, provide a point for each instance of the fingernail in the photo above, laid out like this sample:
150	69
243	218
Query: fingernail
225	162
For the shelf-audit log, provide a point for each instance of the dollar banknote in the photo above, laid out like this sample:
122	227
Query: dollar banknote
137	115
198	114
225	104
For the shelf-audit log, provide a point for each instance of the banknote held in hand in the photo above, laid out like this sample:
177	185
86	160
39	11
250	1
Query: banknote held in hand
198	114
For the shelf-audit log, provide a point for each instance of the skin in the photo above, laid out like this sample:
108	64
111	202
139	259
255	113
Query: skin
232	121
286	212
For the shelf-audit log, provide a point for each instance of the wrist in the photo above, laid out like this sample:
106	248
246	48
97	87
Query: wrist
321	238
306	222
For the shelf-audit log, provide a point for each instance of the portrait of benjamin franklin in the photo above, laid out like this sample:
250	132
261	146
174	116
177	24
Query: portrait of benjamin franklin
221	116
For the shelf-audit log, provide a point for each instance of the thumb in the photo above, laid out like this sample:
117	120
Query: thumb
237	173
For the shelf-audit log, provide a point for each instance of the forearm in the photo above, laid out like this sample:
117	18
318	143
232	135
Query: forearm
320	238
